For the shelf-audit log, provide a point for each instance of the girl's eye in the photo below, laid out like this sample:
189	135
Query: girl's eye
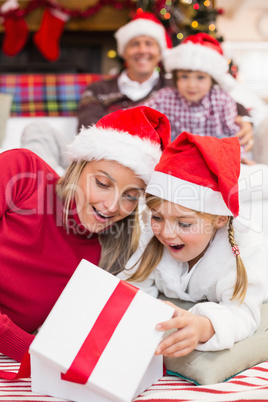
200	77
101	184
184	225
156	218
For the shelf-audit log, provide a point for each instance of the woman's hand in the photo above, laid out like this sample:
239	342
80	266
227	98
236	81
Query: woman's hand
190	329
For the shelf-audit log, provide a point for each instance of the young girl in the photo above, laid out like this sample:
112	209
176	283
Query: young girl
199	102
49	224
198	252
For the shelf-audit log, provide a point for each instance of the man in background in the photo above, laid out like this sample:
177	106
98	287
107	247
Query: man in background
141	43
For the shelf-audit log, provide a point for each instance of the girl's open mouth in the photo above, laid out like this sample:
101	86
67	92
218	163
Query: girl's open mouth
176	247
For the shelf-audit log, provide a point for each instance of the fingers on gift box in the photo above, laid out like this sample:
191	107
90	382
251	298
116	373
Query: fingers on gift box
99	340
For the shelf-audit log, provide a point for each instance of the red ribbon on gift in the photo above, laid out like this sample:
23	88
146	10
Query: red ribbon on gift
24	370
100	334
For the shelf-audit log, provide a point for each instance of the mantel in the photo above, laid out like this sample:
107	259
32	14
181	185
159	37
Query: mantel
107	19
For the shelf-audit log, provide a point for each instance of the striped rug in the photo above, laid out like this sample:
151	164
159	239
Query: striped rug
251	385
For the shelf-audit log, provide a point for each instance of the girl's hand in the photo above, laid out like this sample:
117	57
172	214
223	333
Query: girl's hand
190	329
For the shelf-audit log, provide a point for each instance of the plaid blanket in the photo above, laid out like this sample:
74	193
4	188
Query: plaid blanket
46	94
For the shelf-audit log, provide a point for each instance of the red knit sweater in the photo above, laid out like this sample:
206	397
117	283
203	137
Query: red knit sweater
38	254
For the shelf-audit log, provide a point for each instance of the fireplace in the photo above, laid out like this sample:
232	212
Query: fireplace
80	52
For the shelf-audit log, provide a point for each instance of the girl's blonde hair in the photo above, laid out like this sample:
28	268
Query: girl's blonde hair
241	284
153	253
119	241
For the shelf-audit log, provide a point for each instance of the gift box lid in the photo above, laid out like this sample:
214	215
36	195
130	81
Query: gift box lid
81	326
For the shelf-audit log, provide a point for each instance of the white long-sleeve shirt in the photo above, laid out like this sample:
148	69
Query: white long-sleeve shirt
210	284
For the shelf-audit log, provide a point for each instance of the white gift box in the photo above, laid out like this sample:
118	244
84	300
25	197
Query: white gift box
99	340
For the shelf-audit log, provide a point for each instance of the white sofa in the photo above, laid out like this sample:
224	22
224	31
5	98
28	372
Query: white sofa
15	126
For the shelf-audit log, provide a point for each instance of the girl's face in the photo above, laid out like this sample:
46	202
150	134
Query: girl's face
106	193
185	233
193	85
142	54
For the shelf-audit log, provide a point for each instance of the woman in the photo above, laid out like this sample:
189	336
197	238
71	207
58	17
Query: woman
49	224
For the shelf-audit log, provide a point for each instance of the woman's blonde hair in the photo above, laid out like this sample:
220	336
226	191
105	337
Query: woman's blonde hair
153	253
67	186
119	241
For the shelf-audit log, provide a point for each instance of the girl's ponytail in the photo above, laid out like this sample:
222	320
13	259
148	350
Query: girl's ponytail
240	288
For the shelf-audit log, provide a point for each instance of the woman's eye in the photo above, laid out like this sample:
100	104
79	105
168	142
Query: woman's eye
184	225
101	184
130	197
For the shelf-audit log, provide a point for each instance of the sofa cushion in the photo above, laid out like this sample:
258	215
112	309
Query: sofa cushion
205	368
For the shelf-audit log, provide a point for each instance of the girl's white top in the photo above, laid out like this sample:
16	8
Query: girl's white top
210	284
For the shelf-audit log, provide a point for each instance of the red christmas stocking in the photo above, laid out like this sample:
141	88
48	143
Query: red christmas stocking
16	30
48	36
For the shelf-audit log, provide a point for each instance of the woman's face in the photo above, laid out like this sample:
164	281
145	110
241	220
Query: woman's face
107	192
185	233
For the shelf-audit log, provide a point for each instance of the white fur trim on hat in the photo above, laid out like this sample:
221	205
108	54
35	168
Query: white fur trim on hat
186	194
192	56
139	27
96	143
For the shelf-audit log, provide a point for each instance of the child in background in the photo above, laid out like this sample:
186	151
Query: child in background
199	102
198	252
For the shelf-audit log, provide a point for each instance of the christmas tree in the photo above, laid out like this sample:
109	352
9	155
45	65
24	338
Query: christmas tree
182	18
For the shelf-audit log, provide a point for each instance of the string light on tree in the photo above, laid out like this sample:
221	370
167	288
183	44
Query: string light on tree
139	10
111	54
233	68
180	35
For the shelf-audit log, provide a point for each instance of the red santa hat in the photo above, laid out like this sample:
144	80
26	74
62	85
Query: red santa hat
142	24
199	173
134	137
200	52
